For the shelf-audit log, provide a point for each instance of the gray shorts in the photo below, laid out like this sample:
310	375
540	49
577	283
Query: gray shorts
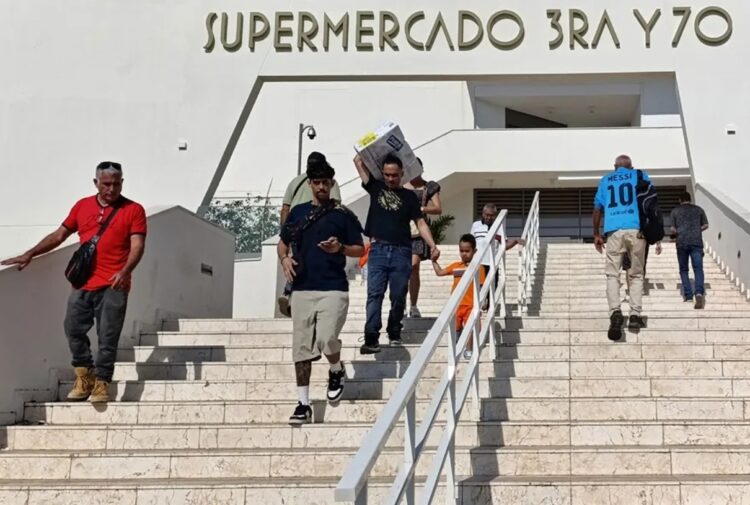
317	319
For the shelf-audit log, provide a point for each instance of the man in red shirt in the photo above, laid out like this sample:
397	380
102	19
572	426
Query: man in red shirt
104	297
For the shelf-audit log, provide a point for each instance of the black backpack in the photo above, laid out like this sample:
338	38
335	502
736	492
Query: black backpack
652	220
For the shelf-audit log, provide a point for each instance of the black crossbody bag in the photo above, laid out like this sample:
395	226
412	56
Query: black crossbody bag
81	265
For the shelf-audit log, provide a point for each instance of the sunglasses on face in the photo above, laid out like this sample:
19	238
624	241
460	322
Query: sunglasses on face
105	165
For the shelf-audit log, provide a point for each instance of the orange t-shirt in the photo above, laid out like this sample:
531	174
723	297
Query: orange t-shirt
457	269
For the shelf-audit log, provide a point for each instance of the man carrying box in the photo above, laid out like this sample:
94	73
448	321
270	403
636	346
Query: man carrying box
391	210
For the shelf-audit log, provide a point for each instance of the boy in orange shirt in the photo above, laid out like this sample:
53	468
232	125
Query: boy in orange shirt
467	246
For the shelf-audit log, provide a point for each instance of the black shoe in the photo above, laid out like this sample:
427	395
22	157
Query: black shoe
284	306
395	341
615	326
302	415
700	301
336	384
687	298
636	323
370	347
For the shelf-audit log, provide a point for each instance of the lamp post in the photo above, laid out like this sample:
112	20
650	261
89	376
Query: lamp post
311	135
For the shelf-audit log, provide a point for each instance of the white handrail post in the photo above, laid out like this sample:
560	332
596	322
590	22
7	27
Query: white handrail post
493	299
475	334
501	271
362	496
450	460
410	433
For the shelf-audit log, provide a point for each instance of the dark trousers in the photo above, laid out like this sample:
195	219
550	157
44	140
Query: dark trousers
388	265
106	307
694	255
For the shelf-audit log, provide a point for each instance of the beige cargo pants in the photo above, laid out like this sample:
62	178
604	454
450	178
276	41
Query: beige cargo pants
619	243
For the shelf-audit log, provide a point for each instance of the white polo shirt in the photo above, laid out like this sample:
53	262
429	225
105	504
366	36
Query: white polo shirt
480	232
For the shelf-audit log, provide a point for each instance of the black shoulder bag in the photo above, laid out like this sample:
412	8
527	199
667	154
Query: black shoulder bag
81	265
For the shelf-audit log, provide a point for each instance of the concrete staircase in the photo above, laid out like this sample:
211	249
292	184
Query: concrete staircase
565	416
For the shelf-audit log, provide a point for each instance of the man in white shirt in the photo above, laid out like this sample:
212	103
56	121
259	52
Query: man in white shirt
480	229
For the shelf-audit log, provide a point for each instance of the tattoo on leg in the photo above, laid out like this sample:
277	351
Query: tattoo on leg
303	369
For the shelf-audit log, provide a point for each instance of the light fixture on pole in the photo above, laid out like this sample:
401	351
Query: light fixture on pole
311	135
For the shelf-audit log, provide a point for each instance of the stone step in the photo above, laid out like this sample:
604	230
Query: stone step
366	411
351	338
350	435
568	490
585	380
272	371
317	463
578	323
244	491
566	351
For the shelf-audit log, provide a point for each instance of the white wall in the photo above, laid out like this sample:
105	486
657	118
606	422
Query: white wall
728	234
258	283
167	284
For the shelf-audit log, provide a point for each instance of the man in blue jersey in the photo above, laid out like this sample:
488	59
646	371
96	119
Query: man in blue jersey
616	202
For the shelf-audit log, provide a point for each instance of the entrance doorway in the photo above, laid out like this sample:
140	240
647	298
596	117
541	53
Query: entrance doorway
565	213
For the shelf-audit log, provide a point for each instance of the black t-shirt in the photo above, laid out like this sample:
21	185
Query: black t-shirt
318	270
390	212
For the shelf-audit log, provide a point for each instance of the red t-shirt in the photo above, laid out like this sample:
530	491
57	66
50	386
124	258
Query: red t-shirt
87	216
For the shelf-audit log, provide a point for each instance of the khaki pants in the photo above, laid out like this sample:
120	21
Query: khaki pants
618	243
317	320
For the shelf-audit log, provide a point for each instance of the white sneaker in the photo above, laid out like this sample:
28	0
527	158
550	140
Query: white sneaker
467	354
414	312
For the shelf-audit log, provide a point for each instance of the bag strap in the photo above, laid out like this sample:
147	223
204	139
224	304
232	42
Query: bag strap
640	176
95	239
304	180
315	216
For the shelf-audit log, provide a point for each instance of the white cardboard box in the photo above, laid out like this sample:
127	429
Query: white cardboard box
375	146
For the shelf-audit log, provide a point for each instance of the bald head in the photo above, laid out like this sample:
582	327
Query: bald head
623	161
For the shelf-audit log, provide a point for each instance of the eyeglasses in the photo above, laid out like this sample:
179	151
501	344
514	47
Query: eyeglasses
105	165
100	218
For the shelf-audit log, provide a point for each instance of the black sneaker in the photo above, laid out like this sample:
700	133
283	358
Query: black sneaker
370	347
615	326
336	384
302	415
636	323
284	306
700	301
395	341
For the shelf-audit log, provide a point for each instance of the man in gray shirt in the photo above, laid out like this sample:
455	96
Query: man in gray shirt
688	224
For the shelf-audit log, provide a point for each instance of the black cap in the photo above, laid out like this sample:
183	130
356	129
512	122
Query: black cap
318	167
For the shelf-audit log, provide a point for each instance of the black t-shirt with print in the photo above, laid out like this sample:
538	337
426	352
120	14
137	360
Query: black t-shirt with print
390	212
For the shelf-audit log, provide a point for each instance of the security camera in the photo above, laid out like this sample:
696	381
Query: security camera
311	133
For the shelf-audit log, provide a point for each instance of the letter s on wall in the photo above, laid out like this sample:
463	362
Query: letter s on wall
210	20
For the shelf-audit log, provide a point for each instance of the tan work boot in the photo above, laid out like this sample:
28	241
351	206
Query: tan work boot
84	384
100	393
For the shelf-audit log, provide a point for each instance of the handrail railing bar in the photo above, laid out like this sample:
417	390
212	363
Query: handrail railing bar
356	475
432	412
433	476
399	485
452	420
410	455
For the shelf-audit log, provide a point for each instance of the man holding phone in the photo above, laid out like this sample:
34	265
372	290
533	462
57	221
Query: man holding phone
315	241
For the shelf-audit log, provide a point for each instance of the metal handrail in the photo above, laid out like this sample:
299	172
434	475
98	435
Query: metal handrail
353	486
528	254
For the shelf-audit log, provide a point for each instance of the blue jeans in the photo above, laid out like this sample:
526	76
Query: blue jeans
694	254
388	265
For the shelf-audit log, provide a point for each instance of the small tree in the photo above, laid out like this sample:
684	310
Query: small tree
439	225
251	219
